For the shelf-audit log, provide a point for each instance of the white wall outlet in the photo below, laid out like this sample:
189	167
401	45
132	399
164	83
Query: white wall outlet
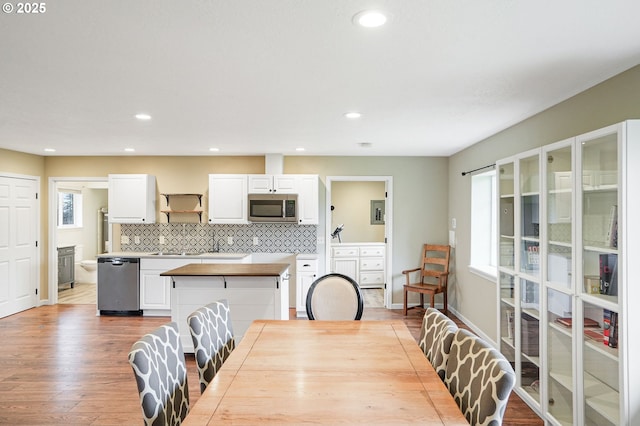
453	223
320	240
136	239
161	240
230	240
256	241
124	239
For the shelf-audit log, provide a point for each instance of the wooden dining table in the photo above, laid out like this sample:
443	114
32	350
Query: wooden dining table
326	372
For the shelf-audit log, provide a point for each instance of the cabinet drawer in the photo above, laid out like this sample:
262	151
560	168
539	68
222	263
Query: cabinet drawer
369	278
307	265
372	264
345	251
371	251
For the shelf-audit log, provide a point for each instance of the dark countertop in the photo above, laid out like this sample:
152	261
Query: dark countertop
228	269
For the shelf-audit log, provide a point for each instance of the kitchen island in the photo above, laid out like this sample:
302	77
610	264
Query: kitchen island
254	291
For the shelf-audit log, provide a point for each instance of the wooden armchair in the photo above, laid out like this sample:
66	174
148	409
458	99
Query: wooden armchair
432	275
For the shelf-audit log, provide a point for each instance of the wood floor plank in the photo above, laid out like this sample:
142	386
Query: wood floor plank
63	365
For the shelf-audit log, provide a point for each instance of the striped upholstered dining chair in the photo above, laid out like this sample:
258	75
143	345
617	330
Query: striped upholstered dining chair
213	340
436	335
158	363
479	378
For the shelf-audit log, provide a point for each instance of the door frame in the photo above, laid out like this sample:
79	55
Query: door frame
37	269
53	228
388	225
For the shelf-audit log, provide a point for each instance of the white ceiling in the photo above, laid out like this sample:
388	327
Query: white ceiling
268	76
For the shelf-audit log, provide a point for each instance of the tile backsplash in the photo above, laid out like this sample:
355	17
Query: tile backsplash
200	237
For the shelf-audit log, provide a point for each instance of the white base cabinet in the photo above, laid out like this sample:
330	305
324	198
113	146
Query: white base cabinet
364	262
566	290
306	274
155	291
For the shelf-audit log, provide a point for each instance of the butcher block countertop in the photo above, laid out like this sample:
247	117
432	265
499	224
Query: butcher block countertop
229	270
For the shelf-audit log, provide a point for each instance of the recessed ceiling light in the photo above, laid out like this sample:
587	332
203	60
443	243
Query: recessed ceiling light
365	144
370	18
130	150
353	114
49	150
214	149
143	116
300	149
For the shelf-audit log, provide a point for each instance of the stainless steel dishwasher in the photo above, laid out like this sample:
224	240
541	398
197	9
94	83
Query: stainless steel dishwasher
119	286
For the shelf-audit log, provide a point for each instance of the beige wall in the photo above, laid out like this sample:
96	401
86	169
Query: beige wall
352	202
610	102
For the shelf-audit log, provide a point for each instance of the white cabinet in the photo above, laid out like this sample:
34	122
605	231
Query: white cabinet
269	184
371	266
364	262
308	204
306	274
228	198
155	291
575	289
132	198
228	195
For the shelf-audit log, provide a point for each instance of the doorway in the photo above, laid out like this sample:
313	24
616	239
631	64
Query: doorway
363	205
77	235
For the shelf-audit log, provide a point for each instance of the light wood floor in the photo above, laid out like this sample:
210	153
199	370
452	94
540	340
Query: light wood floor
63	365
81	293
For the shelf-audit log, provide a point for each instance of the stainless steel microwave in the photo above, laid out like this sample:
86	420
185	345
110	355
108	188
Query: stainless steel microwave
273	207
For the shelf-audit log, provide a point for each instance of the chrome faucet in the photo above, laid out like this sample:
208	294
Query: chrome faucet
216	246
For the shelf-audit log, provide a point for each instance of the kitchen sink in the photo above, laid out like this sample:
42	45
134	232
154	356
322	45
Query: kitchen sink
175	253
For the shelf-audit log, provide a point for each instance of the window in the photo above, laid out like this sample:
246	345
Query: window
483	225
69	210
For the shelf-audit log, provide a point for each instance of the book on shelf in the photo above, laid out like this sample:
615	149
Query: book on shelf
606	325
568	322
594	334
612	230
609	274
510	324
613	330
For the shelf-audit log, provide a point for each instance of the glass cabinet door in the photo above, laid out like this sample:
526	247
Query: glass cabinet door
530	215
559	196
530	337
560	382
558	161
506	216
507	317
600	217
600	363
599	289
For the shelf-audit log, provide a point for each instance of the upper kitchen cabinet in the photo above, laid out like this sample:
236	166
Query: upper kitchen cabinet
270	184
132	198
307	199
228	198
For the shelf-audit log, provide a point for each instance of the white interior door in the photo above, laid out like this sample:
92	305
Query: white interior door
18	244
